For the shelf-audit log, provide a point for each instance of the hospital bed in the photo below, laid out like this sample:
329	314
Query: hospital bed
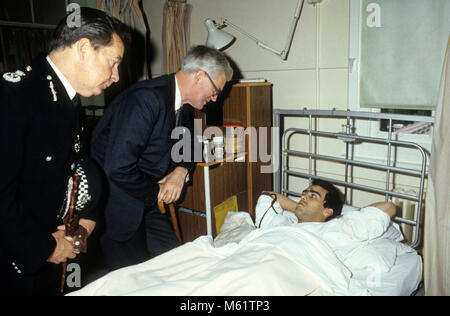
243	260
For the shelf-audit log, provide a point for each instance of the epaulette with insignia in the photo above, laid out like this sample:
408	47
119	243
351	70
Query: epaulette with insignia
15	77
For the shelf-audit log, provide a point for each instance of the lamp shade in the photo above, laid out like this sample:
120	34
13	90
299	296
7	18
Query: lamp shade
217	39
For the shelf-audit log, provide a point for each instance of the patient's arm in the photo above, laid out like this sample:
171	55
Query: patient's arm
286	203
387	207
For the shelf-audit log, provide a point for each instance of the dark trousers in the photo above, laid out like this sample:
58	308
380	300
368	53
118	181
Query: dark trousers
154	237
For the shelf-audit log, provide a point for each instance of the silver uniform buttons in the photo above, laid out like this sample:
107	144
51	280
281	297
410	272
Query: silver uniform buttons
16	268
48	158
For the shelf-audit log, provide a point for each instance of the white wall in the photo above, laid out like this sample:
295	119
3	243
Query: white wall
154	10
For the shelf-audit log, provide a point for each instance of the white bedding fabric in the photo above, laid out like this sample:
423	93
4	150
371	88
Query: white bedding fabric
339	257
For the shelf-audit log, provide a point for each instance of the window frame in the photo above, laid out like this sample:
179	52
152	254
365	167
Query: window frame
372	129
33	23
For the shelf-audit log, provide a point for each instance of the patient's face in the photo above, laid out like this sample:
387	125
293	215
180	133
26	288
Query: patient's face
311	206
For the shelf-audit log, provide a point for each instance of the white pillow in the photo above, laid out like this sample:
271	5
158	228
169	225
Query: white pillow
393	233
349	208
236	226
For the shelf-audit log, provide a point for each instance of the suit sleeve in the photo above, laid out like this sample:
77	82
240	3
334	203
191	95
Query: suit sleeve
20	237
130	129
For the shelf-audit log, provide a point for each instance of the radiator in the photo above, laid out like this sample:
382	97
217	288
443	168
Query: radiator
406	209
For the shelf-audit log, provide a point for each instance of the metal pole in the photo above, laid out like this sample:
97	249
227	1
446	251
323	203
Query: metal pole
310	147
388	162
276	174
207	201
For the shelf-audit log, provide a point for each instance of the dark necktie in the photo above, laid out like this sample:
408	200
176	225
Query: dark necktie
76	101
178	117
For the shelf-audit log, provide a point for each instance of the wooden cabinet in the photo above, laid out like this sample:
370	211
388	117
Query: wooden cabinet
249	106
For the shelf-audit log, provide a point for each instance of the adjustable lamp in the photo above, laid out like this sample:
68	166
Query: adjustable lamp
217	38
220	39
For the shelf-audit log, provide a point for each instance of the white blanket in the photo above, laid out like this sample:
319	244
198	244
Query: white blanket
274	260
300	265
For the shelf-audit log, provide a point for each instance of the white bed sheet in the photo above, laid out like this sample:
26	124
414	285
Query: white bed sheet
193	270
402	280
285	260
277	261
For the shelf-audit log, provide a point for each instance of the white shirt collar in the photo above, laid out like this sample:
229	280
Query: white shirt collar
177	96
70	90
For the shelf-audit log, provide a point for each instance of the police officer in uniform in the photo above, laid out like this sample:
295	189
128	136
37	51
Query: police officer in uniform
40	140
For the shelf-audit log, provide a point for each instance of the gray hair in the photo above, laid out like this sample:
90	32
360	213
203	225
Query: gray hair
207	59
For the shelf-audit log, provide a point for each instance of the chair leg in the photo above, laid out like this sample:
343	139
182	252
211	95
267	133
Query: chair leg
173	217
162	207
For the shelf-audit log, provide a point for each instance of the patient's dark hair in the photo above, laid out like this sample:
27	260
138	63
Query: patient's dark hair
334	198
95	25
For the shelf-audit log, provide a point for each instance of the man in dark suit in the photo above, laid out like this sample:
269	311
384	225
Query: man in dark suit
133	144
40	139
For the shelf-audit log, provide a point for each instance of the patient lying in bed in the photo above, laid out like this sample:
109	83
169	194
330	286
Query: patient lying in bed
292	248
319	212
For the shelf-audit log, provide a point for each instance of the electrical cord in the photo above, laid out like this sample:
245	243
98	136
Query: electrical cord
274	199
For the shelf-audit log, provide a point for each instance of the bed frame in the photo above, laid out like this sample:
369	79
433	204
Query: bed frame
351	138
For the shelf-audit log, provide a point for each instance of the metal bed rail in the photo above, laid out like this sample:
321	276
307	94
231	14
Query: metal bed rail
352	139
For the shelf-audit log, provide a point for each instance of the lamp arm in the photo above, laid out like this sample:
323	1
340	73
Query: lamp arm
292	30
225	22
285	51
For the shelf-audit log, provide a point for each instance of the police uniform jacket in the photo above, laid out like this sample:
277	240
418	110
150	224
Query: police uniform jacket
39	139
132	142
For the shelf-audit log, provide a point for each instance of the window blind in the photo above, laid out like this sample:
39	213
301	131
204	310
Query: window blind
402	54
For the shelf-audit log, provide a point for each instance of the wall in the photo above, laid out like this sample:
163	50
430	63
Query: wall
154	10
315	74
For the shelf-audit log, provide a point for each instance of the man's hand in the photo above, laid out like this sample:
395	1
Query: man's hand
170	186
64	247
285	202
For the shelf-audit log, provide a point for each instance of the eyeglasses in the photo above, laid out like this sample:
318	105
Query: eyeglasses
216	90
